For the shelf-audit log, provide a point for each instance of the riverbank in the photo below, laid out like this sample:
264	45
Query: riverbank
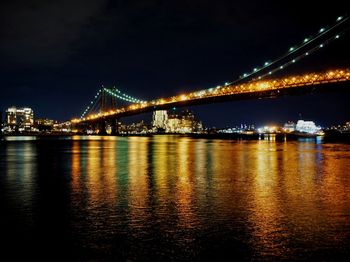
328	137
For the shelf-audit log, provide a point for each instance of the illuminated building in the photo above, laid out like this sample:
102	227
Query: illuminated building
173	124
160	118
242	129
44	124
269	130
183	123
21	119
307	127
289	127
347	126
64	127
134	128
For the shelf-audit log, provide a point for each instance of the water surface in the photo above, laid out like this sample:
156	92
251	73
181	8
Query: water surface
174	198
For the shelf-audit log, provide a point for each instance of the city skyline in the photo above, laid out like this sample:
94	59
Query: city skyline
187	130
47	79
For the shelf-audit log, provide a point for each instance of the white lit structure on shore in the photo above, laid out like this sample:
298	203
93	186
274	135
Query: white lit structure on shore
308	127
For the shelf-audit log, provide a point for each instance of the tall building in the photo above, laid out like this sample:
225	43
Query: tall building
160	118
21	119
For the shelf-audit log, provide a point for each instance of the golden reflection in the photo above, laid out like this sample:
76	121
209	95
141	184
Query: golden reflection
76	167
274	190
164	165
101	172
93	173
287	196
109	171
334	187
138	179
200	161
185	195
265	208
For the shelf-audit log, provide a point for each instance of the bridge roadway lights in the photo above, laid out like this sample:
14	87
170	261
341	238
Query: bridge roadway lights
293	85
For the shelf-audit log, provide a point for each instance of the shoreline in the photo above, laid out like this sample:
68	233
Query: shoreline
328	137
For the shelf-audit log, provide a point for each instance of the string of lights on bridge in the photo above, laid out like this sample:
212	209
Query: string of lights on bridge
115	93
293	50
248	88
220	89
123	96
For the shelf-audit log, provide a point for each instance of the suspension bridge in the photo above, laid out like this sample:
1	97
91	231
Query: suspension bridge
258	83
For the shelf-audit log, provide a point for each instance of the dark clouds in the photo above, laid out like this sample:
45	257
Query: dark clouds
55	54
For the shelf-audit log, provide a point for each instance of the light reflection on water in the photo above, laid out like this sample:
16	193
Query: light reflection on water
182	198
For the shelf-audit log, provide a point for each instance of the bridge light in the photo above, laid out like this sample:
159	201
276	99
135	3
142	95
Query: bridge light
281	67
183	97
291	49
244	75
226	84
337	36
339	18
322	30
293	61
255	69
321	45
307	53
270	73
266	63
306	39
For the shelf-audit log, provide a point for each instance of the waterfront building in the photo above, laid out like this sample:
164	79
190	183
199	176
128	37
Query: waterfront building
289	127
307	127
269	130
173	124
19	119
135	128
44	124
242	129
160	118
347	126
183	123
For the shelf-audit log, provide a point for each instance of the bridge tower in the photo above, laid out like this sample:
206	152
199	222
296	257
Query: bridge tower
108	102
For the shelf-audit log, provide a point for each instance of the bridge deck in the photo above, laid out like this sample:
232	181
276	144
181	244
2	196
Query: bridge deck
250	90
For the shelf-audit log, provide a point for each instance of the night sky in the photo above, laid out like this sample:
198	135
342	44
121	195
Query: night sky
54	55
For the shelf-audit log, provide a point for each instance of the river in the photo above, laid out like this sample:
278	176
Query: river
174	198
